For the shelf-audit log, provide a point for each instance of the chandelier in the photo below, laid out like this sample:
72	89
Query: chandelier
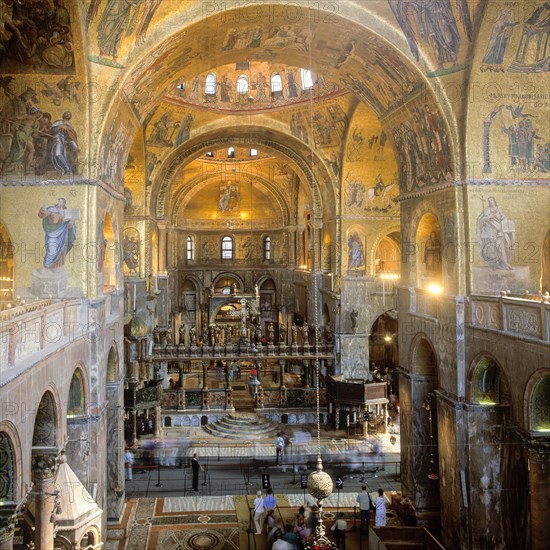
319	483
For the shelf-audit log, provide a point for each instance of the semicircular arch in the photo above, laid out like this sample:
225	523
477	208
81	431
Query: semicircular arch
423	357
242	136
184	195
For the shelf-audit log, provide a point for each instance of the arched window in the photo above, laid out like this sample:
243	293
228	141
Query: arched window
190	248
307	80
210	84
7	469
276	83
540	412
489	387
253	152
267	248
227	248
181	86
231	153
242	84
75	405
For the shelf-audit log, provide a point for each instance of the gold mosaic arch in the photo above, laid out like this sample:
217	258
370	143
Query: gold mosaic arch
311	27
186	153
355	58
186	192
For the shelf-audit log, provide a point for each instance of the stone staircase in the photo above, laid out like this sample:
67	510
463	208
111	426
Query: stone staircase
243	426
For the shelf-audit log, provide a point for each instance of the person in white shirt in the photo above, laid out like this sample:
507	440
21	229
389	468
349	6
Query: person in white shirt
365	503
339	529
282	544
259	510
280	447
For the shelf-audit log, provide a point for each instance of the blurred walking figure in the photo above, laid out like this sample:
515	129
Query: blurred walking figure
128	463
280	447
259	511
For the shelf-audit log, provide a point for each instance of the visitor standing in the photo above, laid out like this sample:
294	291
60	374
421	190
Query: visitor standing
339	529
196	468
380	509
365	503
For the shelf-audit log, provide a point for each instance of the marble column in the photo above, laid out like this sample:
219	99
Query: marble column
161	246
204	375
282	373
158	428
44	466
180	372
133	424
539	491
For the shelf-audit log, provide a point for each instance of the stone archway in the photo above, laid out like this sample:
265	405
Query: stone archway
420	429
539	410
45	433
493	450
429	248
8	471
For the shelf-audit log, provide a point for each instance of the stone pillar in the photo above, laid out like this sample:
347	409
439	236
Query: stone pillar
539	492
158	427
282	373
337	417
180	372
133	424
44	467
161	245
204	375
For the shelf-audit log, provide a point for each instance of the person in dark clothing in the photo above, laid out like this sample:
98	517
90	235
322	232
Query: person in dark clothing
196	468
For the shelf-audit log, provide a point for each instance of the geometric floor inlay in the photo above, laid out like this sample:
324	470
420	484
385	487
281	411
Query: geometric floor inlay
203	539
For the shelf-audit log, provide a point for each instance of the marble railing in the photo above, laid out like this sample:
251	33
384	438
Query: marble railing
39	325
285	398
516	316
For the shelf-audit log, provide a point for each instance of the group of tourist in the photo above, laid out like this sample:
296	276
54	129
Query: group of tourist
295	537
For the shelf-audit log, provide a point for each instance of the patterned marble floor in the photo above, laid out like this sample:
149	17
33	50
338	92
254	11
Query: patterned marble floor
216	523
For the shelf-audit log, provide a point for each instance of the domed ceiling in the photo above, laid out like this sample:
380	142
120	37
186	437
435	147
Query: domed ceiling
325	97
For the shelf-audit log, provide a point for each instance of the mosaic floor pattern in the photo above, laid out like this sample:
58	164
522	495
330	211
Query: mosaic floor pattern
172	524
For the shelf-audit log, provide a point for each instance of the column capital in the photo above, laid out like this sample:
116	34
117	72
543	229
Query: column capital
8	521
539	450
44	463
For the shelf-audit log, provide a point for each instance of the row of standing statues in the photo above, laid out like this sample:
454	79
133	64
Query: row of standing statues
216	335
